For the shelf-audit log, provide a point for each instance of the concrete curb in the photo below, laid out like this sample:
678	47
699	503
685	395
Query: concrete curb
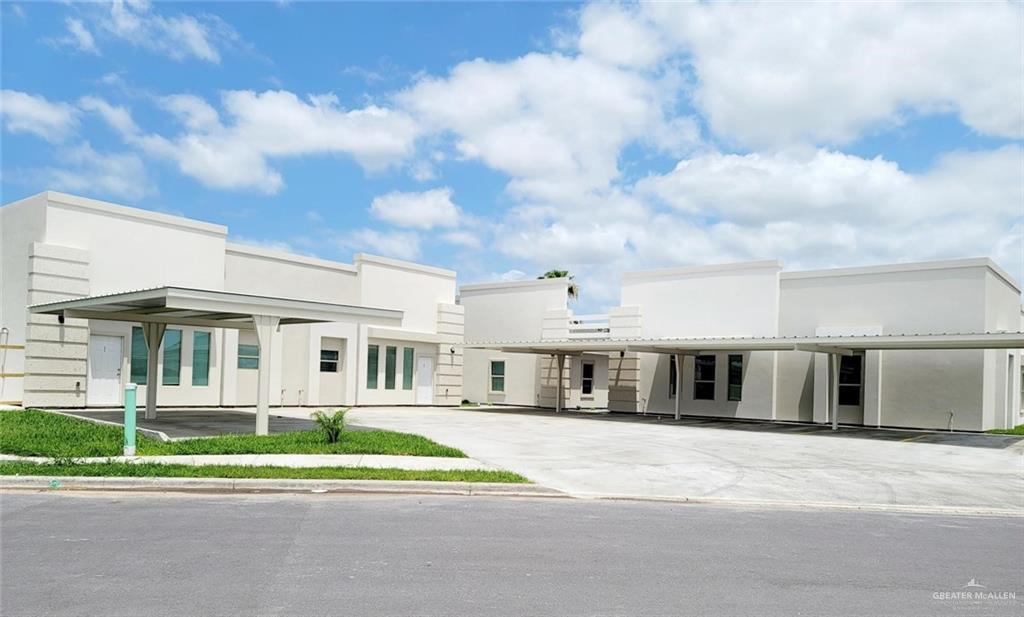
285	486
261	485
815	505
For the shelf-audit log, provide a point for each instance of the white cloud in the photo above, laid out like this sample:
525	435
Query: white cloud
79	37
178	36
425	210
84	170
192	111
615	34
465	239
398	244
234	150
512	275
26	113
771	74
555	124
823	209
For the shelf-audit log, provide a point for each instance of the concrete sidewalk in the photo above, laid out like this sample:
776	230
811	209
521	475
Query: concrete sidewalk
376	461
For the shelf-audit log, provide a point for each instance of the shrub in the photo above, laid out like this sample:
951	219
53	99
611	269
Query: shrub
332	425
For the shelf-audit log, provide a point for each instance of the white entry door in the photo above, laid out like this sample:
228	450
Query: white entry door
104	370
425	380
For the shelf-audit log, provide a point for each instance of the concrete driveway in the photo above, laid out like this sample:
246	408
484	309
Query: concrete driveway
630	456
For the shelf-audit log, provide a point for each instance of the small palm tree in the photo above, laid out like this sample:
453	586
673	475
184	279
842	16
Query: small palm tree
332	425
574	289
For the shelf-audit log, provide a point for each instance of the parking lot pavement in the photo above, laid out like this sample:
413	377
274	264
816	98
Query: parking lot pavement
588	455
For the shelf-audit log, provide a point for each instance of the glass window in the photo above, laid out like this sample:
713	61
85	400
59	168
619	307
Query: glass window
329	360
248	356
735	377
704	378
587	378
390	364
200	358
497	375
139	357
372	360
850	379
407	368
172	358
672	376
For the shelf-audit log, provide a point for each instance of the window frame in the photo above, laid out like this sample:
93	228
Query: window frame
408	367
491	376
372	360
672	376
584	379
390	366
143	369
196	336
846	387
700	380
734	378
336	361
170	350
249	355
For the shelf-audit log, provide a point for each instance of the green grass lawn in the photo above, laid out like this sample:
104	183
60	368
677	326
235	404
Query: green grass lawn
1017	430
38	433
123	470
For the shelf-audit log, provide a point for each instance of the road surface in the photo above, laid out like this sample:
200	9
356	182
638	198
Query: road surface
109	554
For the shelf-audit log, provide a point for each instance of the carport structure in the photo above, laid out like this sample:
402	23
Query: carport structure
833	346
159	307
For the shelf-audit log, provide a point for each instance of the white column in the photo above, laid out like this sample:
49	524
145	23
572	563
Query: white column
679	382
833	394
154	334
265	326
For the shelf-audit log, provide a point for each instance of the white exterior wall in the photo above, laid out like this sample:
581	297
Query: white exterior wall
21	224
87	247
726	300
903	388
513	311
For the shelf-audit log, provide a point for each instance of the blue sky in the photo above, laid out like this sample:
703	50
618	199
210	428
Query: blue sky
505	139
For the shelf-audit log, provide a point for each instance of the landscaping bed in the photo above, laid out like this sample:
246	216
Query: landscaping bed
39	433
147	470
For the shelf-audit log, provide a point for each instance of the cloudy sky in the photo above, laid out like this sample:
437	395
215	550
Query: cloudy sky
503	140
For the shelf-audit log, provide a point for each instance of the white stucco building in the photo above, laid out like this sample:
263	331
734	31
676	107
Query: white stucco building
925	345
58	247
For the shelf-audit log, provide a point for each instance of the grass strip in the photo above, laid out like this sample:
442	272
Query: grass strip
39	433
1017	430
148	470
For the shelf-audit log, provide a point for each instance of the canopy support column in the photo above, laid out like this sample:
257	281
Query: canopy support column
560	360
833	389
265	326
679	382
154	334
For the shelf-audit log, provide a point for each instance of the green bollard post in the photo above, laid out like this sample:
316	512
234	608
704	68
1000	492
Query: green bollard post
129	419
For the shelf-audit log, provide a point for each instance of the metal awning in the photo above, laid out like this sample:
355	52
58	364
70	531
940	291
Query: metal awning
159	307
825	344
210	308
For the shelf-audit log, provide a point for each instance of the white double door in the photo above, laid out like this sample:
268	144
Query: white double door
104	370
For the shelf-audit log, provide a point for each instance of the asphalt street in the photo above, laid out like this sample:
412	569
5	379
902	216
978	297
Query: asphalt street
115	554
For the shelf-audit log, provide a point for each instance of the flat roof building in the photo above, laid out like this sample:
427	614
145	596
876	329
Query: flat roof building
903	345
400	350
